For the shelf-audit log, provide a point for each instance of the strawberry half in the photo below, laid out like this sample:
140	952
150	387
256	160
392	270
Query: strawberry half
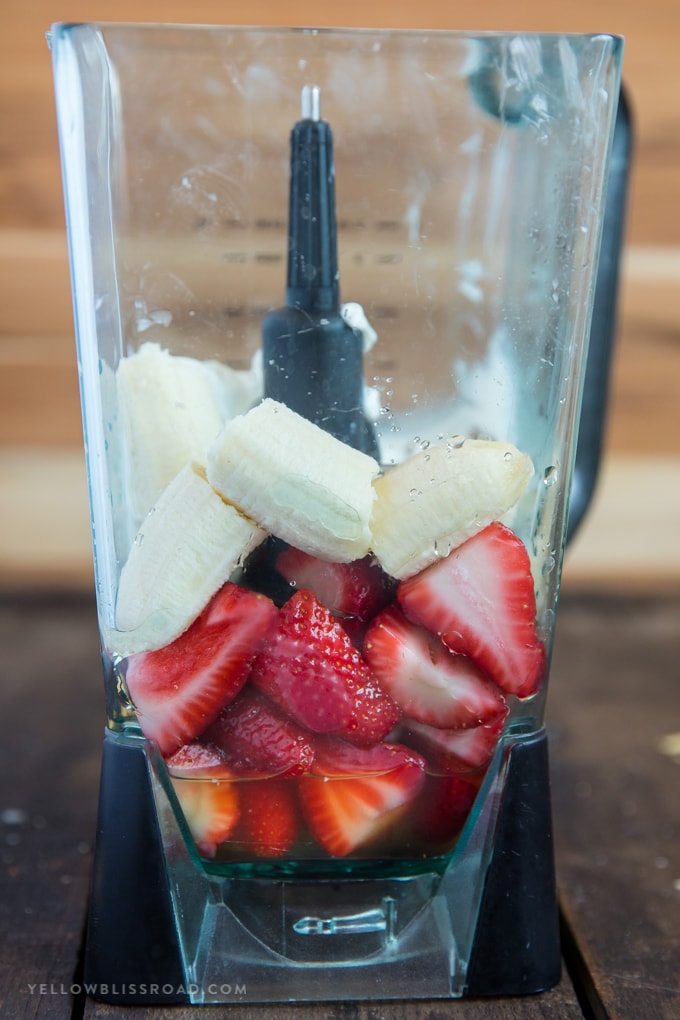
480	600
426	680
449	751
311	669
356	794
179	690
270	817
197	760
359	589
257	739
206	794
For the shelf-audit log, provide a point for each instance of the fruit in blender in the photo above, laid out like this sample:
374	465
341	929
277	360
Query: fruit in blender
431	502
313	672
208	798
187	547
258	739
480	600
180	689
170	410
353	795
351	703
356	590
296	481
270	819
427	681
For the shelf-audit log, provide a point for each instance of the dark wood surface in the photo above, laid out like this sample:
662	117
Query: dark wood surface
614	707
47	542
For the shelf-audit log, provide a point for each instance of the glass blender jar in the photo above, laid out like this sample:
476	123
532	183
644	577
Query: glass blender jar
332	293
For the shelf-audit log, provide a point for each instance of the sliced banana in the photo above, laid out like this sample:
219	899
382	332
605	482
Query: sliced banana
430	503
188	546
297	481
170	409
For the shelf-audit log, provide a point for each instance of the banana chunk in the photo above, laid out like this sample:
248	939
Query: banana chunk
429	504
186	549
171	408
296	481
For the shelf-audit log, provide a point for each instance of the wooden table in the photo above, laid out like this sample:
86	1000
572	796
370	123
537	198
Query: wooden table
614	722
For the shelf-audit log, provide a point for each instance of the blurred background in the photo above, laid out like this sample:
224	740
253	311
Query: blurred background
629	540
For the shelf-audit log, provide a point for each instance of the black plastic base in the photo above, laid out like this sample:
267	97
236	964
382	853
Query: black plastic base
517	944
132	955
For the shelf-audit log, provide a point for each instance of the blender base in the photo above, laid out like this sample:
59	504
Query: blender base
516	950
134	952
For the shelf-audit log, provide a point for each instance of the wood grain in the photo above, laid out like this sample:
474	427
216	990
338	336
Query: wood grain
51	701
613	704
30	192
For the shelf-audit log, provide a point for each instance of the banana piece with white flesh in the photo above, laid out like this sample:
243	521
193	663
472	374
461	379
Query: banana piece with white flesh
170	409
432	502
296	481
187	547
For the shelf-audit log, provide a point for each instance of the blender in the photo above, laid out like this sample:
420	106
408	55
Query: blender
332	293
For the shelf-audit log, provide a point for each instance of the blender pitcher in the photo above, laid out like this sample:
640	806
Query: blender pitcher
332	295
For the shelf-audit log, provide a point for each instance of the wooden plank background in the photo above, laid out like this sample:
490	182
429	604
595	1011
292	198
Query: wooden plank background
630	536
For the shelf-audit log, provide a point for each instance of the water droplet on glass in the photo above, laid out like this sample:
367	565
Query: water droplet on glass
455	442
507	455
550	475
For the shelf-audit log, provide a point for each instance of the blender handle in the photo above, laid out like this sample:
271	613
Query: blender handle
604	322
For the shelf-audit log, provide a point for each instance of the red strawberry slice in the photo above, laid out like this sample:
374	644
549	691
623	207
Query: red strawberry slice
178	690
443	807
426	680
206	794
448	751
197	760
356	794
270	817
257	739
480	600
359	589
311	669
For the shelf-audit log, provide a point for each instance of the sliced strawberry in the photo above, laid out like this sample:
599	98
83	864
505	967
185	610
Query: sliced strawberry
197	760
443	807
356	794
206	794
270	817
426	680
178	690
257	739
359	589
449	751
311	669
480	600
